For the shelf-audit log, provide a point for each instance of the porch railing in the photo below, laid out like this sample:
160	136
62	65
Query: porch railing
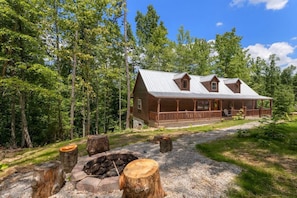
196	115
185	115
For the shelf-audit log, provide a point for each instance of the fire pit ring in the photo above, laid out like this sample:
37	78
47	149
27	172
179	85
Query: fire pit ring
108	164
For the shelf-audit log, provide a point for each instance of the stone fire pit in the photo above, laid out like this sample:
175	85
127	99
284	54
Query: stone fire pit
98	173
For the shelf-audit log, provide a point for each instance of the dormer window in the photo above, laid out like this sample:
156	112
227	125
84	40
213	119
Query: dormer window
210	82
233	84
185	84
214	86
182	81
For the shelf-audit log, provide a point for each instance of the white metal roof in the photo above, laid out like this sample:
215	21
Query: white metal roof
162	85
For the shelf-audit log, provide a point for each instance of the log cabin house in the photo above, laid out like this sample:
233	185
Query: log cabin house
179	99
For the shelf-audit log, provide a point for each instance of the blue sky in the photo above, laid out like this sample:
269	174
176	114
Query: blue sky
267	26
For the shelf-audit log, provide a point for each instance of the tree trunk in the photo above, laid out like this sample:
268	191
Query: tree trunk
127	66
25	130
73	85
97	144
68	157
97	117
141	178
48	179
88	127
13	137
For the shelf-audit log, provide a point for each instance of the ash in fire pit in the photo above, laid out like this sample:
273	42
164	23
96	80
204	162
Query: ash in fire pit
105	166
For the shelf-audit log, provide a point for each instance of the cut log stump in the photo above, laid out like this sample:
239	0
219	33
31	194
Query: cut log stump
141	178
48	179
97	144
68	157
165	144
156	139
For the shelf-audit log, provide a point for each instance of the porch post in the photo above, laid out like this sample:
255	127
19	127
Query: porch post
253	106
221	107
177	109
158	110
243	109
194	109
209	108
260	109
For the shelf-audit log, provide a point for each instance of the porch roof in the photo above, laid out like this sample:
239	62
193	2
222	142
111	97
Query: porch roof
161	85
189	95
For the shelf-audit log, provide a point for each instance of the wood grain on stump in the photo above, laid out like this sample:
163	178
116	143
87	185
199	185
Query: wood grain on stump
48	179
141	178
97	144
68	157
165	144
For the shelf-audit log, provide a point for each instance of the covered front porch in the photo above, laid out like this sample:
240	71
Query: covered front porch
162	110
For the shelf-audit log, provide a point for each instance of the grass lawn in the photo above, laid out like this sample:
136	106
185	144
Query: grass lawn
30	157
268	157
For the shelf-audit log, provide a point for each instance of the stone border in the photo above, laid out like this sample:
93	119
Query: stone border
83	182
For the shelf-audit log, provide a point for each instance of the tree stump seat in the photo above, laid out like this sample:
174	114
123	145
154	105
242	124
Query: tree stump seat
48	179
97	144
141	178
68	157
165	144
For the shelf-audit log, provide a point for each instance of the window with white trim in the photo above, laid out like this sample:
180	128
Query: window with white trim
214	86
139	104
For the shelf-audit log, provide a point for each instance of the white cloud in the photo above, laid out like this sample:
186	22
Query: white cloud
219	24
281	49
294	38
269	4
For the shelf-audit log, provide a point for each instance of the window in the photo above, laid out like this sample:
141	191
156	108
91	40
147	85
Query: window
139	104
214	86
185	84
202	105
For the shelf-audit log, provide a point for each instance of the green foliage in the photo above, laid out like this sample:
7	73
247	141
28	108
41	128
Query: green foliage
41	40
284	101
239	116
231	60
259	152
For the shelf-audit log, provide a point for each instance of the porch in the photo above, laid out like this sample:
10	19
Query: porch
176	111
198	115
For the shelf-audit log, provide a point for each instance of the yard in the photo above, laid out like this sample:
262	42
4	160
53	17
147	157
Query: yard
266	154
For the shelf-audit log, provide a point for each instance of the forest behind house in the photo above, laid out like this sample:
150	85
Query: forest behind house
68	67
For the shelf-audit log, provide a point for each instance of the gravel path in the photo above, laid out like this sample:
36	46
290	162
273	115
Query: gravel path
184	172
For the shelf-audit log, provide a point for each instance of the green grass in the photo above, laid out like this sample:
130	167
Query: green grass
268	157
29	157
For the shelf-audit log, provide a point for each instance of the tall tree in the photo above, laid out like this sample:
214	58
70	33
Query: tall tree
231	59
152	40
192	54
271	75
287	74
127	65
23	73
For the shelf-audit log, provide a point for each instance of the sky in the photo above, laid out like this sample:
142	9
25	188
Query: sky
266	26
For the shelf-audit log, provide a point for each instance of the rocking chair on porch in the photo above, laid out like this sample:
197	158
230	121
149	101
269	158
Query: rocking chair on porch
226	113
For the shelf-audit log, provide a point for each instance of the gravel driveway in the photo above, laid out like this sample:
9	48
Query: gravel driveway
184	172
